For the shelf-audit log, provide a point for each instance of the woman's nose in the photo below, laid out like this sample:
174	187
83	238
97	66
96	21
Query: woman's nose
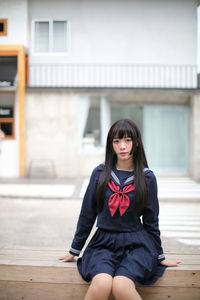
122	145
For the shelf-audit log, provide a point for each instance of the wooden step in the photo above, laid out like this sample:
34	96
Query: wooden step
39	275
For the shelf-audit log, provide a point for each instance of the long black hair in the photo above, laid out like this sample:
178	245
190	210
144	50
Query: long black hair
124	128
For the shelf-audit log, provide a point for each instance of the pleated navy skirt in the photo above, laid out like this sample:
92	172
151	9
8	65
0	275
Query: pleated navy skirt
129	254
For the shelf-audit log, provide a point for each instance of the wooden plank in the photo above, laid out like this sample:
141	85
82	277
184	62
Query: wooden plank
40	291
190	259
58	263
8	53
179	278
171	277
172	293
9	48
40	274
31	254
52	256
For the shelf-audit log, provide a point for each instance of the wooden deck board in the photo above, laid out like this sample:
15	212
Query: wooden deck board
70	275
51	256
38	274
46	291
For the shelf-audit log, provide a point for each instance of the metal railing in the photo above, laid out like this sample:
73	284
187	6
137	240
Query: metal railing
113	76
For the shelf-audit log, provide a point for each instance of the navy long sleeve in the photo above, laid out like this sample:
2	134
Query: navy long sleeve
87	215
150	214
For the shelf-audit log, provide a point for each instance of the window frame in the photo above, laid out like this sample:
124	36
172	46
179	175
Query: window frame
50	52
10	120
104	106
5	22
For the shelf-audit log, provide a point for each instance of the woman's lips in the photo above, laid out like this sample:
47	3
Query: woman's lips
123	153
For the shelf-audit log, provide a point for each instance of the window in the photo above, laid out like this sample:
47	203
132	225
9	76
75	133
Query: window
132	112
166	138
94	123
7	114
3	27
96	114
50	36
8	70
91	133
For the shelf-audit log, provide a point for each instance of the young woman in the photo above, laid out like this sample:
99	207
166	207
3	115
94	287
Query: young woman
126	249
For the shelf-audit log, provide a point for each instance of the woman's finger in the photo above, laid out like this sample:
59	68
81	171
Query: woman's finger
61	257
171	263
67	257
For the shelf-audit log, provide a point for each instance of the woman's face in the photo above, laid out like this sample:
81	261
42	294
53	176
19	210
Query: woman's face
123	147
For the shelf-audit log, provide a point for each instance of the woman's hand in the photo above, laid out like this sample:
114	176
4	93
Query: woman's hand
67	257
170	263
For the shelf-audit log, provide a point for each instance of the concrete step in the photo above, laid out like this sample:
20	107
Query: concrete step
38	274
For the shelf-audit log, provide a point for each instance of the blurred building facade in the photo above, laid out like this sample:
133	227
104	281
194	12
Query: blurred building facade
69	69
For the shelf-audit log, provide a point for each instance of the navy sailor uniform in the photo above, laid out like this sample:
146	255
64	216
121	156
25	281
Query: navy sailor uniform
125	243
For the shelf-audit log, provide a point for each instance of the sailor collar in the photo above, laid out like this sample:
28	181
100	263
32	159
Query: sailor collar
127	181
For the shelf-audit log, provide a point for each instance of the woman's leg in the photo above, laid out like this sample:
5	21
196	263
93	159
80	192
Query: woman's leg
124	288
100	287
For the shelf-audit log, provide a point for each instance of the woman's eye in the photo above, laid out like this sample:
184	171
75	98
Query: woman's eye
115	141
128	140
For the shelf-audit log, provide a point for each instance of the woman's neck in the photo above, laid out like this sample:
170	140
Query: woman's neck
125	165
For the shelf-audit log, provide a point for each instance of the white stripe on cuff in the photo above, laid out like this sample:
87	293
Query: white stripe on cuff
161	256
75	251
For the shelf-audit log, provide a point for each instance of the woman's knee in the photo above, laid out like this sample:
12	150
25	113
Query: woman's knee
101	285
121	286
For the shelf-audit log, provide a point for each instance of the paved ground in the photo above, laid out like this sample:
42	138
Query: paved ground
172	189
180	226
42	213
50	224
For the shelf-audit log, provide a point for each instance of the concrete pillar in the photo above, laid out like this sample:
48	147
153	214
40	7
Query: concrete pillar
195	137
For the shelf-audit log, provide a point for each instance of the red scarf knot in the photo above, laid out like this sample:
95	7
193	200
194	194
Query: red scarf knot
119	198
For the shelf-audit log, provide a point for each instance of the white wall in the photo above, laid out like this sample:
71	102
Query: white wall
128	31
198	38
16	11
52	136
9	154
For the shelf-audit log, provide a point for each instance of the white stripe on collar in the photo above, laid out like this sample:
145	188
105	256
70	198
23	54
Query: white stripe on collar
129	179
114	176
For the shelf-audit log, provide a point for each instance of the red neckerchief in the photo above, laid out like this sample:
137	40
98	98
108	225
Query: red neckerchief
119	198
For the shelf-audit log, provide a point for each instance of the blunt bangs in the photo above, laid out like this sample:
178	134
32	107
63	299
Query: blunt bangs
123	129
